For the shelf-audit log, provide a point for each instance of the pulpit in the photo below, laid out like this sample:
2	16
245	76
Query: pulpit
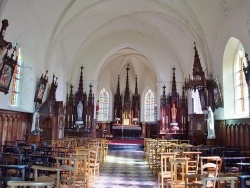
34	138
197	129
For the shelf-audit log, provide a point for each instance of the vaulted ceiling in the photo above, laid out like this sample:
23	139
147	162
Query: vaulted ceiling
62	35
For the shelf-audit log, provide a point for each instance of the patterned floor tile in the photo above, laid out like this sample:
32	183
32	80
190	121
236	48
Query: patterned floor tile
125	169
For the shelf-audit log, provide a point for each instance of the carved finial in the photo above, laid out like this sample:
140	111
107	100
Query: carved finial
164	90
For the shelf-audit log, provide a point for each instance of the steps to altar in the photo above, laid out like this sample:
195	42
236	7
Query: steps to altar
126	144
128	131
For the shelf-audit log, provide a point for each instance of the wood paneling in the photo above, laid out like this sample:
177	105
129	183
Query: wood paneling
14	125
234	133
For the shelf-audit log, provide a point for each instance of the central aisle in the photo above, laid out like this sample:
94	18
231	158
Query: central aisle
125	168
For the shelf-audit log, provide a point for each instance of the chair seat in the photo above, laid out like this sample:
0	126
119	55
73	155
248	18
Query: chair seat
165	174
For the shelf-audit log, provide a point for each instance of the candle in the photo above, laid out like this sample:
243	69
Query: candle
89	118
72	117
166	119
86	118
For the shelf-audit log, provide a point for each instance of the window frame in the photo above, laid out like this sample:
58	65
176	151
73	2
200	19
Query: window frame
104	106
240	85
151	106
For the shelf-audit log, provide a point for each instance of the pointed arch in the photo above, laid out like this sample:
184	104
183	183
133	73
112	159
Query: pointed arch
234	80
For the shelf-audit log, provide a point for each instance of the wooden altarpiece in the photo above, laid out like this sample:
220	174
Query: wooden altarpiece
173	112
80	111
127	113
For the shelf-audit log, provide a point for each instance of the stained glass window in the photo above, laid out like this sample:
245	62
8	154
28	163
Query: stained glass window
103	113
240	83
149	112
16	80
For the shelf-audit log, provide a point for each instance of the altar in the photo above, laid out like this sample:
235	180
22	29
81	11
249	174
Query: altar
127	131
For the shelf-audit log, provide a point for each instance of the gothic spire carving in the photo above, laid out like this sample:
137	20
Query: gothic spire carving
174	90
80	86
52	93
71	97
183	97
118	86
164	90
91	95
127	93
118	102
197	68
136	86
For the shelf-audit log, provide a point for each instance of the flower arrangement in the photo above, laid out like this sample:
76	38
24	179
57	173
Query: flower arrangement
175	128
135	120
38	131
78	126
117	119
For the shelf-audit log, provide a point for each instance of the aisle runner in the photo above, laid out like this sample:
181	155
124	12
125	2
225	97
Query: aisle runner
125	169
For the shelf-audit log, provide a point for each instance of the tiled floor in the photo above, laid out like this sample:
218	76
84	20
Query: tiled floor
125	168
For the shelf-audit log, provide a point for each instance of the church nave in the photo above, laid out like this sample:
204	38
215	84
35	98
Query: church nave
125	168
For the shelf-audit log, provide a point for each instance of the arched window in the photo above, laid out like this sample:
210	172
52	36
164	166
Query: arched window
15	94
103	113
240	86
149	105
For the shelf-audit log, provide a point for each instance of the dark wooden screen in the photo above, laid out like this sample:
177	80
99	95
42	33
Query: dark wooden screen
14	125
234	133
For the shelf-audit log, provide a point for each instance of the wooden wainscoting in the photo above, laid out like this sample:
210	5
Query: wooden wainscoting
234	132
14	125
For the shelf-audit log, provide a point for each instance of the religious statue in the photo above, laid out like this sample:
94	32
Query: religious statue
210	123
79	110
173	113
35	122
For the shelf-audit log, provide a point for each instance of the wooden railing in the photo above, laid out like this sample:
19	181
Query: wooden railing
234	132
14	125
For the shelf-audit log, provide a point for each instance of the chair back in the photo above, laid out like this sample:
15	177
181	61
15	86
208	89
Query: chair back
217	179
179	167
165	161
